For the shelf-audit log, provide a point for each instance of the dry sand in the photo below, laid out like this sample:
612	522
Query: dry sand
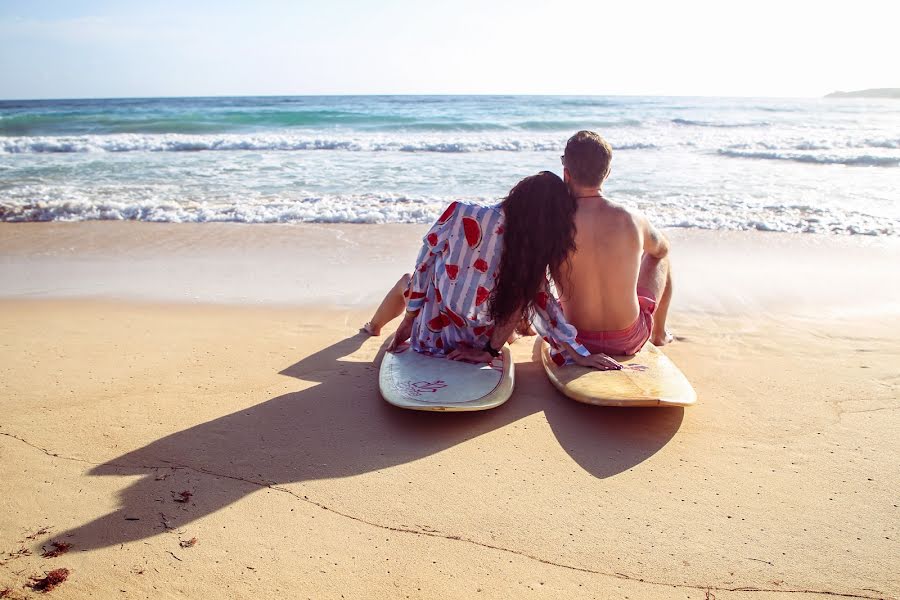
263	405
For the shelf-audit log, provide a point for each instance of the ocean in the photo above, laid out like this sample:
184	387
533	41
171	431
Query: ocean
795	165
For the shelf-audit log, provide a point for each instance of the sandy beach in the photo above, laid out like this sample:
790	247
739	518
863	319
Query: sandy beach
142	361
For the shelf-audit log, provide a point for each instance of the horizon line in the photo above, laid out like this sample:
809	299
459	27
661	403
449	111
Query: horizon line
384	95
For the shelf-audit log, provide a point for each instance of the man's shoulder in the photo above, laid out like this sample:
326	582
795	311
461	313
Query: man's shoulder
618	214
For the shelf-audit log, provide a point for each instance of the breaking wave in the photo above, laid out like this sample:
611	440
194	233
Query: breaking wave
820	159
694	123
155	206
277	142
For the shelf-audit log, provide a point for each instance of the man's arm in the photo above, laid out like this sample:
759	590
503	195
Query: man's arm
655	243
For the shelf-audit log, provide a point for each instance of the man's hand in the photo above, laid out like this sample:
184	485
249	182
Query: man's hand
403	331
470	355
597	361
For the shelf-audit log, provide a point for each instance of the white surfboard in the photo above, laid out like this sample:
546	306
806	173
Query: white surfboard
649	378
409	379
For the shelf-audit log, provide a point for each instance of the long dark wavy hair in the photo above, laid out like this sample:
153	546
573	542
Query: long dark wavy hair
539	233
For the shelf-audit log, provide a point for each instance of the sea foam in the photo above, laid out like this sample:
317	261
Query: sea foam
146	205
281	142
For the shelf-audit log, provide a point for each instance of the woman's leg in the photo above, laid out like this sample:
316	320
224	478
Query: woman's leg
391	307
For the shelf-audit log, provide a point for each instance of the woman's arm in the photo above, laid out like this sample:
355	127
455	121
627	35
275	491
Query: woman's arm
498	337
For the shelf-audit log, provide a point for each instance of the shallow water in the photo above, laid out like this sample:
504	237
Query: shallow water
805	165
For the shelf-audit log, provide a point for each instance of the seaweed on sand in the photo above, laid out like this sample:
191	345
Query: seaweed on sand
58	548
49	581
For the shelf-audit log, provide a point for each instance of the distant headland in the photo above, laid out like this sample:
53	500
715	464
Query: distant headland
872	93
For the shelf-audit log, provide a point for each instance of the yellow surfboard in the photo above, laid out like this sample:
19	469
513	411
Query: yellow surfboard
409	379
649	378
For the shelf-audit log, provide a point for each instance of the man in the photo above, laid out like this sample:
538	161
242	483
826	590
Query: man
617	286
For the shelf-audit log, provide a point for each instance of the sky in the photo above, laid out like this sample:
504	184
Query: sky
100	48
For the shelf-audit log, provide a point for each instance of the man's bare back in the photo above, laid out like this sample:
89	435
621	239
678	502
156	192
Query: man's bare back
598	285
618	253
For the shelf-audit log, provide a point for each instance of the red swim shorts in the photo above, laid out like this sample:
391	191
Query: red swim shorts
630	340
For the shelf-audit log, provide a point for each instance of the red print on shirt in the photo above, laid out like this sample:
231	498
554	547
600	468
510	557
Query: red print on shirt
472	230
455	318
447	213
438	323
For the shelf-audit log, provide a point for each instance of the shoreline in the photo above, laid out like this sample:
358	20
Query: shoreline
350	265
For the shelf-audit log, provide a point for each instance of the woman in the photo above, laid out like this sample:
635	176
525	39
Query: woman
482	270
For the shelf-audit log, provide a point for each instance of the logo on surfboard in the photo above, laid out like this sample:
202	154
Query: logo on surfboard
417	388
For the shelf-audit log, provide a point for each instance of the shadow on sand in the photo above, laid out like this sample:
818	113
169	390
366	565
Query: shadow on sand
333	430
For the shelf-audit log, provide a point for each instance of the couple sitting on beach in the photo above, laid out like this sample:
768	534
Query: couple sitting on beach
482	272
